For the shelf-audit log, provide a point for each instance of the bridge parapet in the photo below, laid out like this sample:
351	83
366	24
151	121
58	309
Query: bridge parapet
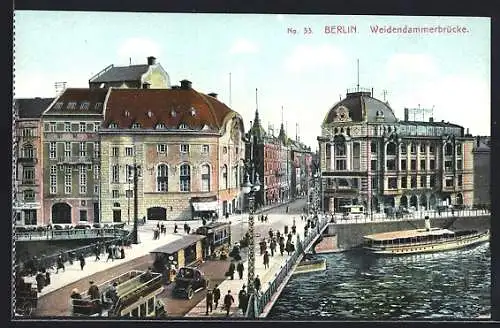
70	234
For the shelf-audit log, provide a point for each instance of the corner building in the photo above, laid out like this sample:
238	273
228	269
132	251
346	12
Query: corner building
369	157
189	147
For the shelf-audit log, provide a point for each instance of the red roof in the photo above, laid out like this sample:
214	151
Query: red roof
170	107
79	101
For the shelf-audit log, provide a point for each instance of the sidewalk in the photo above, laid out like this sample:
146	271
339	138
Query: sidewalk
265	275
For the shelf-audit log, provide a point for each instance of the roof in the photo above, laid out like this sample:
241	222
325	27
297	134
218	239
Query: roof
32	107
86	101
362	107
121	73
170	107
178	244
424	123
407	234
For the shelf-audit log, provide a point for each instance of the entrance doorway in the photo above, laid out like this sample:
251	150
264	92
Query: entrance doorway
117	215
61	213
157	213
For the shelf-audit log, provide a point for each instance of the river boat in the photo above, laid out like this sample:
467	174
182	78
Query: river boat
308	265
422	240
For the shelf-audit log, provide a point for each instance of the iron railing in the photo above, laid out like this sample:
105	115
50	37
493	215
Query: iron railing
70	234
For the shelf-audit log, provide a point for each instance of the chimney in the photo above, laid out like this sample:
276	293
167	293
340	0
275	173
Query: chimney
151	60
186	84
213	95
478	140
406	114
431	119
146	85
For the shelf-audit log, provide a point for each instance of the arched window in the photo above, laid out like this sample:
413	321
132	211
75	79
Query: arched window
235	172
391	148
205	178
27	151
185	177
448	150
404	149
224	176
162	178
340	149
373	147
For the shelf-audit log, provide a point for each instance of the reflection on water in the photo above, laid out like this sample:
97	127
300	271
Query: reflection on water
454	284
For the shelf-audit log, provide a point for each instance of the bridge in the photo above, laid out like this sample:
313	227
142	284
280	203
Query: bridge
70	234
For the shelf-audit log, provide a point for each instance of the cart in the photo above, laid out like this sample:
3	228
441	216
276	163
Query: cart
26	298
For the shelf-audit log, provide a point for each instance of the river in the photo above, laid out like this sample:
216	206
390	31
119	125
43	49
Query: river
448	285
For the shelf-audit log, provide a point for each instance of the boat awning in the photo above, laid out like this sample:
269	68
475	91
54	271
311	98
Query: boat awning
178	244
205	206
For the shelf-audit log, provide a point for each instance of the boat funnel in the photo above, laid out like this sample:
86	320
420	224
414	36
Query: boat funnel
427	223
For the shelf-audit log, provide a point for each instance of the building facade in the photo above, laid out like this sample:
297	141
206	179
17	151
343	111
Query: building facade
482	167
368	156
71	155
189	147
28	178
301	173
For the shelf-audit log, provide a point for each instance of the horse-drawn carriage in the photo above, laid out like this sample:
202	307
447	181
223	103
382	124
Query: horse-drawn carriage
26	298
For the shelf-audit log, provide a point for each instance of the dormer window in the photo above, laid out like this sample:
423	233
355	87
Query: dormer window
193	111
71	105
150	113
84	105
160	126
98	106
58	105
113	125
183	126
126	113
136	126
173	113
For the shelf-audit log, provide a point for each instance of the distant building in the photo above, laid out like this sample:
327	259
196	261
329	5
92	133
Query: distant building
368	156
149	75
28	174
482	167
189	147
71	156
301	160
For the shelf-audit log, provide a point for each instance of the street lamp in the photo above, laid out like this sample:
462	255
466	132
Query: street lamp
137	173
249	188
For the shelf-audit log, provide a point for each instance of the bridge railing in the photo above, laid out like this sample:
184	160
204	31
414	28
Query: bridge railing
286	268
70	234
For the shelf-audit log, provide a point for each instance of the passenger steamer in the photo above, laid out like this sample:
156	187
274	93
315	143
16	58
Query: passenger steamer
422	240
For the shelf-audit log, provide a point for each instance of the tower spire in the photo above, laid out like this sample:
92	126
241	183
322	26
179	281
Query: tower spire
256	122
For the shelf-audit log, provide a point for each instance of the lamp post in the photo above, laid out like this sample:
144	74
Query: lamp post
137	172
250	188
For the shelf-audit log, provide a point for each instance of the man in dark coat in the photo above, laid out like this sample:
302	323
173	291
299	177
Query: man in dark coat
216	293
243	299
94	291
40	281
97	251
272	246
82	261
256	283
228	301
60	264
231	270
210	301
282	248
266	260
240	269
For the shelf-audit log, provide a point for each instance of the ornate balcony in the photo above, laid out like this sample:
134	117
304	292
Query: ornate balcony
76	160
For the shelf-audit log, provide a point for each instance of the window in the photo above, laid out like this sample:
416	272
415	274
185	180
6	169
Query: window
422	148
459	165
183	126
391	165
413	182
27	151
136	126
115	194
423	181
129	173
403	148
459	149
67	127
96	189
224	150
97	126
449	182
82	127
391	148
413	165
432	181
404	165
404	183
205	148
84	105
71	105
432	149
340	165
459	182
98	106
67	180
28	132
90	127
373	147
161	148
29	195
52	150
448	166
53	183
235	172
113	126
83	151
97	171
83	179
115	174
53	169
392	183
237	150
224	176
52	127
374	183
185	177
184	148
58	105
83	215
205	178
28	175
373	164
129	151
356	152
422	164
160	126
162	178
96	150
340	149
115	151
129	193
432	164
448	149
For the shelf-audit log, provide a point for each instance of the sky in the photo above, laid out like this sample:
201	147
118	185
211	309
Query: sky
291	59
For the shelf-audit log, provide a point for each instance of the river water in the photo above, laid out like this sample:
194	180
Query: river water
448	285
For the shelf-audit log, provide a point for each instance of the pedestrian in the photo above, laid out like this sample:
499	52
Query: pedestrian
82	260
272	247
282	248
256	283
96	252
122	253
60	264
110	253
216	293
265	218
210	301
270	233
47	277
228	301
40	281
242	299
94	291
185	227
188	229
162	229
175	228
266	260
240	269
227	215
287	209
231	270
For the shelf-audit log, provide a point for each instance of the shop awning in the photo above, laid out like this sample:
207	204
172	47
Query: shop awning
205	206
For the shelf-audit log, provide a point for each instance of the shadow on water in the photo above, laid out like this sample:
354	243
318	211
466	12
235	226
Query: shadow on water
453	284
